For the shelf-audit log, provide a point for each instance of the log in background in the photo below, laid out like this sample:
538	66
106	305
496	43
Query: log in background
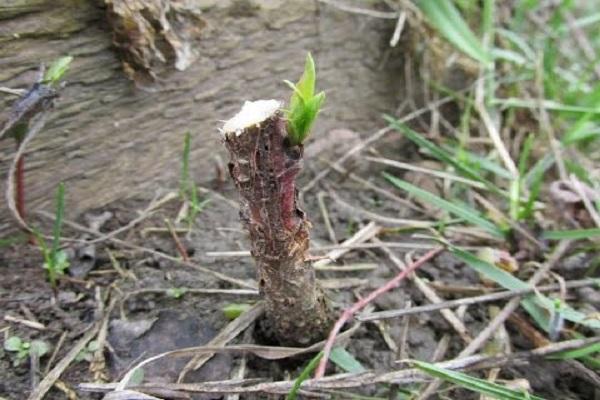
108	140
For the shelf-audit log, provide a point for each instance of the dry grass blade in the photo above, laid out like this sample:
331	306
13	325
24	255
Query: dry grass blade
227	334
472	300
266	352
352	380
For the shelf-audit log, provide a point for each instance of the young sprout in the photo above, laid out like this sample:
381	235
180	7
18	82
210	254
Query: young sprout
304	104
57	69
24	349
187	186
55	260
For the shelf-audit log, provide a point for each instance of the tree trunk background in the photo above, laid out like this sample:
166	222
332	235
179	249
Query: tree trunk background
109	140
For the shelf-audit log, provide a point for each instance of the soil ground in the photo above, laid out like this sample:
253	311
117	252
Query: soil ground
151	323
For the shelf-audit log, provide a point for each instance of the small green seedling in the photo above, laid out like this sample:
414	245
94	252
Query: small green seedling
234	310
56	261
187	187
88	351
304	104
56	71
24	349
304	375
176	293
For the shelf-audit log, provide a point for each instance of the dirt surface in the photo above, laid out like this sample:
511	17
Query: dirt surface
109	140
150	323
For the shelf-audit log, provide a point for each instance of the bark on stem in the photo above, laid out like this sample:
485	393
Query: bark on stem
264	168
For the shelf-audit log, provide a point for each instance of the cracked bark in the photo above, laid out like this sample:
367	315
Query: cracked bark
264	168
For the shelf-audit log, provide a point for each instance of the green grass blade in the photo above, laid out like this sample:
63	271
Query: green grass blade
346	361
483	163
475	384
58	220
574	234
505	280
184	184
547	104
444	16
538	306
519	42
525	152
439	153
539	168
310	367
577	353
461	211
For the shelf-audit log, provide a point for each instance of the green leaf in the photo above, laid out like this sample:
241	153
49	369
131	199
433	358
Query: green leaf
137	377
303	376
304	105
58	220
39	347
93	346
61	262
574	234
461	211
234	310
13	343
444	16
346	361
475	384
57	70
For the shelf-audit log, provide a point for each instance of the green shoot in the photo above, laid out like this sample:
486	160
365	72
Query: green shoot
24	349
482	386
55	260
516	213
57	69
304	104
310	367
187	187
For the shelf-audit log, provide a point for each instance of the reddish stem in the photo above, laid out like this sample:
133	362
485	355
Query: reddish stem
360	304
20	187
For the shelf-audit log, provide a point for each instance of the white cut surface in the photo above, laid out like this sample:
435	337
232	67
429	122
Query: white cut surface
252	113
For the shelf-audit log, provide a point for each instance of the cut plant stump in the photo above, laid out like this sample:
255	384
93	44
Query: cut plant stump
264	167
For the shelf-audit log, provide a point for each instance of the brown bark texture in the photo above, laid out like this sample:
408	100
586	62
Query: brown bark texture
264	168
109	138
